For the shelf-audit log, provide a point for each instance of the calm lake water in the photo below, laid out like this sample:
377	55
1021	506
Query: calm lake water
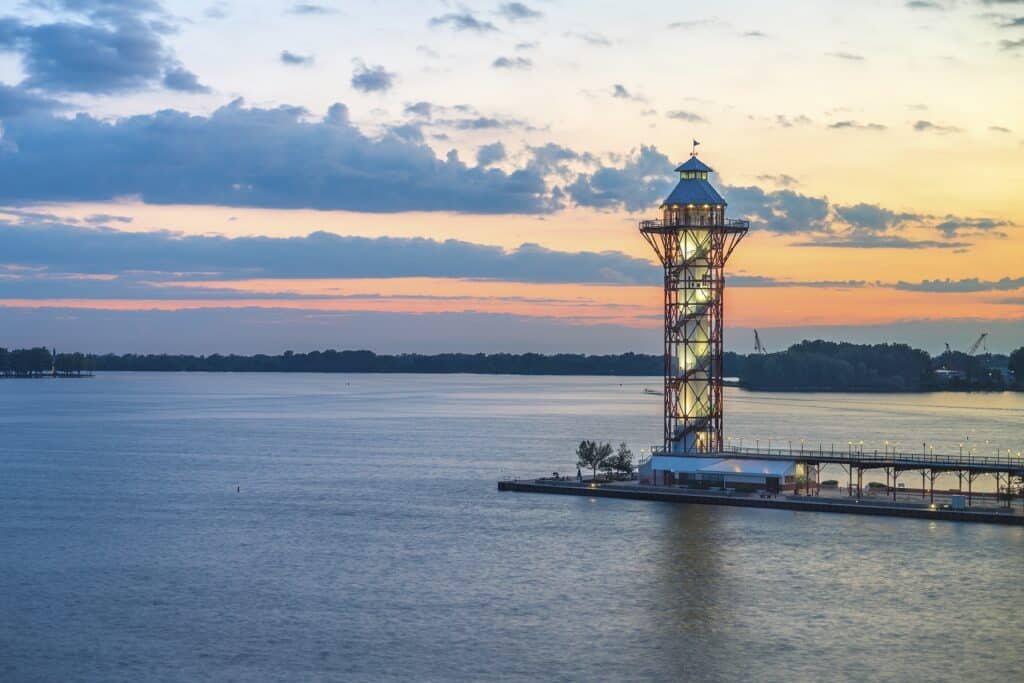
368	541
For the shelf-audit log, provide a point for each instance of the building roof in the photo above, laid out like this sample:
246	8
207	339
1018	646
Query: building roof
774	468
695	164
694	191
676	463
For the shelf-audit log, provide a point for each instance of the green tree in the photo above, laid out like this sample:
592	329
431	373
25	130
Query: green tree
590	455
1017	366
621	462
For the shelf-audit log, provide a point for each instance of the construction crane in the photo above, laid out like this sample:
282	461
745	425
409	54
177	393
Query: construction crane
758	346
978	343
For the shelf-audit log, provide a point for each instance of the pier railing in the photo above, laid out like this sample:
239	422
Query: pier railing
867	459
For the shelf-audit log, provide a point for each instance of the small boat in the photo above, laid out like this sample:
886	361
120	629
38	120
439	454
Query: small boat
652	392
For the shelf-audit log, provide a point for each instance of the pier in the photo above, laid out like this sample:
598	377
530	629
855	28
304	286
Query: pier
802	503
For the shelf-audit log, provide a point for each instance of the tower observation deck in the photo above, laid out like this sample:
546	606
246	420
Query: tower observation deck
693	239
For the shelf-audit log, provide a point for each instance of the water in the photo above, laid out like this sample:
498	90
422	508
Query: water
368	541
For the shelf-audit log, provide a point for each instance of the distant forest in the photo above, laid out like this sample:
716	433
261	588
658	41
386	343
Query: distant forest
807	366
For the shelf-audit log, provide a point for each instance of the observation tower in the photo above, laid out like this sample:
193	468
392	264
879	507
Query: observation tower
693	240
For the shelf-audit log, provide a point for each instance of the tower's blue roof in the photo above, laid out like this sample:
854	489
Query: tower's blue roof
695	192
694	164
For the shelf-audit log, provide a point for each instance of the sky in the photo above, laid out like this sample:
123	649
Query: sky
434	176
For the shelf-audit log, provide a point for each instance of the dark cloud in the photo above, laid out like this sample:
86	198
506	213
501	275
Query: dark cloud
464	21
924	4
871	218
619	91
240	156
530	45
517	11
512	63
929	127
293	59
688	116
781	211
102	251
490	154
641	181
955	226
119	48
372	78
1012	44
999	129
183	80
422	109
854	125
17	101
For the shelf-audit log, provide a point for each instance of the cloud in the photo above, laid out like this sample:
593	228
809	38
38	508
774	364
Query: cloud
595	39
293	59
421	109
847	56
161	255
490	154
619	91
517	11
464	21
642	180
871	218
688	116
688	24
923	4
870	241
753	34
999	129
17	101
789	122
854	125
1015	23
183	80
373	78
965	285
929	127
781	179
528	45
1012	44
781	211
241	156
512	63
309	8
119	48
954	226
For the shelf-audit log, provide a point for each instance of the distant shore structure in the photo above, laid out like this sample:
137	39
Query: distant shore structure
693	239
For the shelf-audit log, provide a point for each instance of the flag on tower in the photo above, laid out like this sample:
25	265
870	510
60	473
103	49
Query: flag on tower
693	152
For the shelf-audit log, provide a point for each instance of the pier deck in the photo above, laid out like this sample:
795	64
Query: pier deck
859	506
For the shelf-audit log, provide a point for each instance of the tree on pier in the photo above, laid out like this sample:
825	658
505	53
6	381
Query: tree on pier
590	455
621	462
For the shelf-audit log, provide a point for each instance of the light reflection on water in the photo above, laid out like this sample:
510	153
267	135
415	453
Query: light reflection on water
368	541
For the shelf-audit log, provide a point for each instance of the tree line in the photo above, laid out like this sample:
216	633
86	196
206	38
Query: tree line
807	366
40	361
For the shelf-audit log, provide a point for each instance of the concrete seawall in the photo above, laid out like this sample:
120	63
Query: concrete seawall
809	504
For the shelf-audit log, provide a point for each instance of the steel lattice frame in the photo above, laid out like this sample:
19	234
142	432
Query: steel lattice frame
693	257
